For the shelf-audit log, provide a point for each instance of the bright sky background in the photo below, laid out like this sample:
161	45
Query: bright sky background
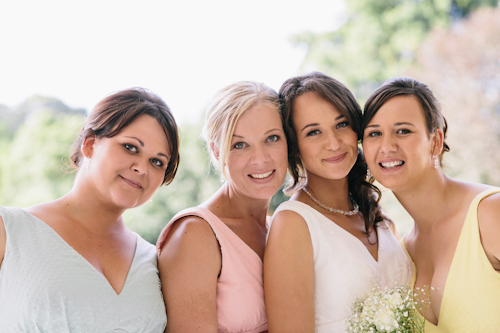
80	51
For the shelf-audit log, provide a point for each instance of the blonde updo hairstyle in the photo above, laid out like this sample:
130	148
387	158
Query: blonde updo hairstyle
224	112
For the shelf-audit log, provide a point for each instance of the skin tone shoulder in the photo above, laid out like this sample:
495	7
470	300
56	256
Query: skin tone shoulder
328	150
401	154
123	172
190	261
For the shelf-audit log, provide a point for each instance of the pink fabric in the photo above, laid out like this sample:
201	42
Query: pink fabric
240	292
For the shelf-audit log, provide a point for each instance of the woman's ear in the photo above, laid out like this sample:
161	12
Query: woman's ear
437	142
88	146
215	150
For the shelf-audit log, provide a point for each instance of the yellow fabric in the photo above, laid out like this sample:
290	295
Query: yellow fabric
471	297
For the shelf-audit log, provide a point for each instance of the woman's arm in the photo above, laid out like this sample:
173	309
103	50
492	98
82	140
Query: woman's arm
289	275
3	241
488	214
189	265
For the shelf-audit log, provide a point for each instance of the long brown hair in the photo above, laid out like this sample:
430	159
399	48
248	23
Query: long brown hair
364	193
119	110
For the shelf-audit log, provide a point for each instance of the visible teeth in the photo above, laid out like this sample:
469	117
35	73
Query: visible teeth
262	175
389	165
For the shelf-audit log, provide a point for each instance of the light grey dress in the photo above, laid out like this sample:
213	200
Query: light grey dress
46	286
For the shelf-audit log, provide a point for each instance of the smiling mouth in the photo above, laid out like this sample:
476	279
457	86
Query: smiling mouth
391	165
261	175
132	183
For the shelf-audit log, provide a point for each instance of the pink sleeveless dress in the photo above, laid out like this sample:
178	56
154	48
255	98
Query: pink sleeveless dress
240	291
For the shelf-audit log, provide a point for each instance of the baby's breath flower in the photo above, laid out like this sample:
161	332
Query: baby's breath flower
390	311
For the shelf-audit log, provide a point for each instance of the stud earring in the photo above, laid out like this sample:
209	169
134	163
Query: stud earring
436	162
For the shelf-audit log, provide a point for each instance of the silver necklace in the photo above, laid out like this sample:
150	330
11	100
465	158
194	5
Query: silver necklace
333	210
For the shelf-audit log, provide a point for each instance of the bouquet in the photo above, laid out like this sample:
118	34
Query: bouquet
391	311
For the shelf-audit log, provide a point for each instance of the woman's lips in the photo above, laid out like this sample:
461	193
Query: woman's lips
335	159
132	183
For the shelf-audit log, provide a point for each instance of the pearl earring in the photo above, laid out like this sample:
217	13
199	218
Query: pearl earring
436	162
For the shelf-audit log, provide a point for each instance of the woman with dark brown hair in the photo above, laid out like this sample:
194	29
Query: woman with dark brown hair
330	244
454	243
71	265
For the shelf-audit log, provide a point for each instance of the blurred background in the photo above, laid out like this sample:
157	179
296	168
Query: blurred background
59	58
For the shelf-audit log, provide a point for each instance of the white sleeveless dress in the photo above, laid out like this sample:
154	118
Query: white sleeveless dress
344	269
46	286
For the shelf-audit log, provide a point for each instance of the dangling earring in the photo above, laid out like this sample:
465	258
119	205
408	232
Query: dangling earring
368	174
86	163
436	162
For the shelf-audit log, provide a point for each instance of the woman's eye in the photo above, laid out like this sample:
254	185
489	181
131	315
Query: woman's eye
156	162
374	134
273	138
238	145
403	131
130	147
343	124
315	132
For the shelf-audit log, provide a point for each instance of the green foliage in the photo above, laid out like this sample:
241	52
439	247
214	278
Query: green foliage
379	39
32	168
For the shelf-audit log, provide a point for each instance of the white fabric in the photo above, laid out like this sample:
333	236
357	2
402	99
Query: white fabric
46	286
344	269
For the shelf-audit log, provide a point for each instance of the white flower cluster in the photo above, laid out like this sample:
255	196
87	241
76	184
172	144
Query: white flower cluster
391	311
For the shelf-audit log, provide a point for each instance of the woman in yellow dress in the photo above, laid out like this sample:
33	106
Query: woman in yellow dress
454	243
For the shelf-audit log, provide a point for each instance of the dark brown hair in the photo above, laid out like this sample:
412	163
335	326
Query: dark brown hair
364	193
119	110
401	86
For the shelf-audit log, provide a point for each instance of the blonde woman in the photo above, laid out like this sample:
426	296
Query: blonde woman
210	256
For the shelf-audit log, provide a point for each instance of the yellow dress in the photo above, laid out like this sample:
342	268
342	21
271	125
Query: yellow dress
471	297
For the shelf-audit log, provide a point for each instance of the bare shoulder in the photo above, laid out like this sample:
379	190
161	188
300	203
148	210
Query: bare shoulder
192	234
489	227
189	266
3	240
289	236
289	274
288	222
489	212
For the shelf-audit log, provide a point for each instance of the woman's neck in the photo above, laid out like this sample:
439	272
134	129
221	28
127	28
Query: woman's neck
429	201
227	202
330	192
90	212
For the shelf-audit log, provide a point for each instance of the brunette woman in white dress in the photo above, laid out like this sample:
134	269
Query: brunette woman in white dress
330	244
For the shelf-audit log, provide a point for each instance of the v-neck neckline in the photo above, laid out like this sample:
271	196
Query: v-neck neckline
82	258
354	238
225	226
480	195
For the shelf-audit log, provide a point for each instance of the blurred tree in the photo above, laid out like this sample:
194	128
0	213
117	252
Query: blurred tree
462	67
32	167
379	39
